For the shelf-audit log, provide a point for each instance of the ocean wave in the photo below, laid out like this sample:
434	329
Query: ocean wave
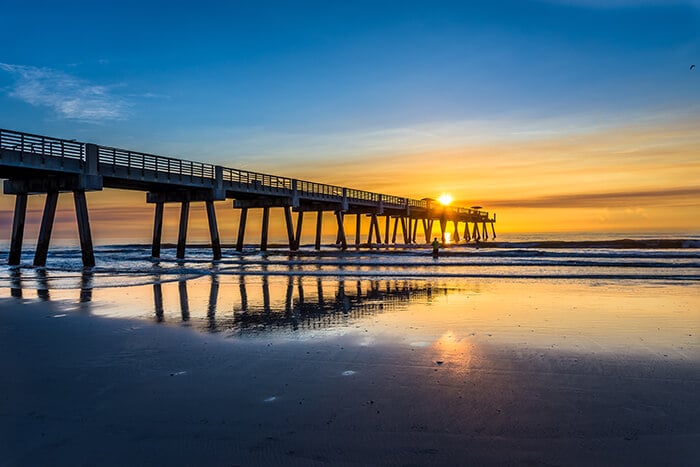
652	259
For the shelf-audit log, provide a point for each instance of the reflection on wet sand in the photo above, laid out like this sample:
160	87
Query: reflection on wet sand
260	304
577	316
305	303
42	286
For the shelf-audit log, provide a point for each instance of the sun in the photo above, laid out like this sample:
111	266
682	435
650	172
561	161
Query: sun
445	199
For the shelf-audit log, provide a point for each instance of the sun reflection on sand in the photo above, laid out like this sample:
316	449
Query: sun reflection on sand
453	352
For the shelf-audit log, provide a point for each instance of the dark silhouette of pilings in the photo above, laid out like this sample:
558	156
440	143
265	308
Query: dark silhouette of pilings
184	198
22	189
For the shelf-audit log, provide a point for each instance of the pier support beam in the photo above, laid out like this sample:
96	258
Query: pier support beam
184	197
52	186
241	229
393	237
338	240
42	246
297	237
157	230
493	230
443	228
466	232
319	224
213	230
341	230
370	233
18	229
386	230
290	227
265	228
404	230
425	231
376	228
182	233
358	225
429	231
81	214
456	233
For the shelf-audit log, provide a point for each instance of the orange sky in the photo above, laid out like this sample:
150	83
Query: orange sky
637	179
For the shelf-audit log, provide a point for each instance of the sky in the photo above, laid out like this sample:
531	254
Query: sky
558	115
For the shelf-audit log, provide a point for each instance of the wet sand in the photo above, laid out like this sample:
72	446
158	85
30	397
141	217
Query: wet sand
87	390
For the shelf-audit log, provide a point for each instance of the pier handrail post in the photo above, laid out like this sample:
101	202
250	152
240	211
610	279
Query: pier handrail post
295	193
219	192
92	159
345	199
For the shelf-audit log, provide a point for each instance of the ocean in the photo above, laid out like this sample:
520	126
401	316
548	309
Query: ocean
282	292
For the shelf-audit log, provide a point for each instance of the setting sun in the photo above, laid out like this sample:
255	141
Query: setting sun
445	199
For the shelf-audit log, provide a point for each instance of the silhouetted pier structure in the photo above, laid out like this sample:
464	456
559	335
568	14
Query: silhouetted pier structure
34	164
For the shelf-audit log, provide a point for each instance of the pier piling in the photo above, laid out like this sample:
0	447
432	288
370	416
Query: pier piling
213	230
265	228
81	214
241	229
297	237
157	230
18	220
290	227
319	223
182	233
42	246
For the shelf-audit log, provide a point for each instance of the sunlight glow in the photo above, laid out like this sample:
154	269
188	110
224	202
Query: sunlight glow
445	199
448	238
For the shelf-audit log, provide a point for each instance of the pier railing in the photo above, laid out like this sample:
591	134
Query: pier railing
130	163
141	162
27	143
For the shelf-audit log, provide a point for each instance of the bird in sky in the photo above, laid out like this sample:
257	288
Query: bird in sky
692	67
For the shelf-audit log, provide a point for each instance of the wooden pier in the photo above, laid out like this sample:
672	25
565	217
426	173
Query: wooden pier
34	164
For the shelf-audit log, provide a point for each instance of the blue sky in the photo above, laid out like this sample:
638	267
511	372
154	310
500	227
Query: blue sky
284	86
340	66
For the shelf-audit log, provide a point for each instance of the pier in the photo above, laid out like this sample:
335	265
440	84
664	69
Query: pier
34	164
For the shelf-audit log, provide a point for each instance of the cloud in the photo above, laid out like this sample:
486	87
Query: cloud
67	95
684	195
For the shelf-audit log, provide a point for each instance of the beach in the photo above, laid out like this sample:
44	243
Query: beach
342	370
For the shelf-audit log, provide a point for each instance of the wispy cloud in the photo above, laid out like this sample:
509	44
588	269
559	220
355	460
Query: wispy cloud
67	95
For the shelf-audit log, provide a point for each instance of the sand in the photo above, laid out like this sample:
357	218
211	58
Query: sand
86	390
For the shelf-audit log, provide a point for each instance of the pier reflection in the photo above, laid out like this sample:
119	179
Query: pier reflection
239	304
39	282
265	303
